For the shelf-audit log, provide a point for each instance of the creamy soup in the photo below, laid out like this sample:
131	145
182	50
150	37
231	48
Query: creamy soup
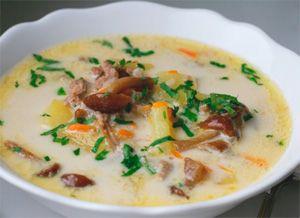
140	120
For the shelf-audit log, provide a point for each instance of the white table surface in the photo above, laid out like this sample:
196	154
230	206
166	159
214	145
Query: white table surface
280	19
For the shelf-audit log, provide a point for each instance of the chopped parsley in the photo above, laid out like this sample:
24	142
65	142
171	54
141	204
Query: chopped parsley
130	160
93	60
112	62
122	122
41	59
281	143
224	78
155	80
247	117
250	74
180	123
104	43
216	64
50	68
97	144
142	66
171	92
135	52
102	155
17	84
47	158
69	74
46	115
190	115
222	103
36	79
53	132
191	95
269	136
158	141
16	149
76	152
1	123
61	91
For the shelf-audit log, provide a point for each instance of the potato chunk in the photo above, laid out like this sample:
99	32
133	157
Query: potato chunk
56	113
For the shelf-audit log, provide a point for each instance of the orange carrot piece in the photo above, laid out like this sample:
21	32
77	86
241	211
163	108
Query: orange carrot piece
160	104
188	52
80	127
176	153
102	90
256	160
172	71
124	133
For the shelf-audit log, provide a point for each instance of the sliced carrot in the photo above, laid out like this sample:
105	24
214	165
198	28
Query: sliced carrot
256	160
172	71
133	125
226	169
124	133
80	127
102	90
160	104
176	153
188	52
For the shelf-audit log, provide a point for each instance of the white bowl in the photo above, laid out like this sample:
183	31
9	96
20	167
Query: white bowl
244	40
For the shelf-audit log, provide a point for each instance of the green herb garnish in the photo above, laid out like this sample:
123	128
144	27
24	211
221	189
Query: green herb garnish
1	123
97	144
17	84
47	158
77	151
54	130
180	123
36	79
281	142
41	59
122	122
16	149
158	141
112	62
164	115
128	108
190	115
135	52
63	141
171	92
69	74
214	63
250	74
93	60
224	78
130	160
104	43
50	68
269	136
84	120
155	80
61	91
142	66
247	117
102	155
46	115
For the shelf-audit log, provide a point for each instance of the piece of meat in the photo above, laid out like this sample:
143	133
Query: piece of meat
77	89
177	191
81	113
194	171
130	83
110	74
165	169
76	180
107	130
50	171
107	103
184	145
219	145
13	146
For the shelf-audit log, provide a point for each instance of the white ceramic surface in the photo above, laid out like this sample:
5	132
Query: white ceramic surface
244	40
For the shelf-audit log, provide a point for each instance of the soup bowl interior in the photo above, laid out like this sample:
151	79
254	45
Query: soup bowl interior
244	40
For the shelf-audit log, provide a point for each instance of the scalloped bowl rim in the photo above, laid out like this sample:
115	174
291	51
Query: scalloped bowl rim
230	199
